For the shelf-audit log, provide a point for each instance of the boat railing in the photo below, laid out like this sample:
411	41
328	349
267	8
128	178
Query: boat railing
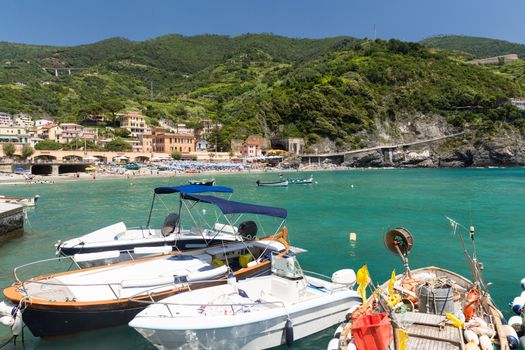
115	287
340	286
38	262
203	306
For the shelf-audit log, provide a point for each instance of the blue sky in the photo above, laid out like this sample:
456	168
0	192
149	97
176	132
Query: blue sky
73	22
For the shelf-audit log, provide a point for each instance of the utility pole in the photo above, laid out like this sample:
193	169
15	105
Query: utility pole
151	90
375	32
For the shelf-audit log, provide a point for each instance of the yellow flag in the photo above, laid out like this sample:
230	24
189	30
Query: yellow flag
402	338
362	278
362	275
391	283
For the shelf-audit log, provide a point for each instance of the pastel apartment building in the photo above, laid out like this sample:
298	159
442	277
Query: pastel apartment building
159	140
5	119
14	134
70	131
134	122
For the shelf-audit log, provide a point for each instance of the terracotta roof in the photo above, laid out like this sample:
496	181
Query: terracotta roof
253	143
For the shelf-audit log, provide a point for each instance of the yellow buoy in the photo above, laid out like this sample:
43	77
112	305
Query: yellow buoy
353	236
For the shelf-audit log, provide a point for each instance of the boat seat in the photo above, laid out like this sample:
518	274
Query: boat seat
269	244
105	234
229	248
204	257
248	229
223	228
170	224
54	291
110	254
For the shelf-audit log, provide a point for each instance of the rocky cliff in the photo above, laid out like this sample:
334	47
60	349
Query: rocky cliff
506	147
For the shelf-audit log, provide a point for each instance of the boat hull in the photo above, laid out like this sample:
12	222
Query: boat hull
259	334
272	184
51	323
178	244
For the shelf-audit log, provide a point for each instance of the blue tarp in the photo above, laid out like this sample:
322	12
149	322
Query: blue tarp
192	189
231	207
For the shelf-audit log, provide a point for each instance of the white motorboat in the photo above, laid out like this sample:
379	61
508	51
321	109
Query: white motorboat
116	242
255	313
26	202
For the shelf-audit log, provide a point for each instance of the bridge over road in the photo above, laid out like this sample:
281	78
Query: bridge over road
338	157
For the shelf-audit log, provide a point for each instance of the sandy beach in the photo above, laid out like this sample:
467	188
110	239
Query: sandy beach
20	179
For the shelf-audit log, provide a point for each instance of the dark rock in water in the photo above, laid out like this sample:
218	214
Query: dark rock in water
368	159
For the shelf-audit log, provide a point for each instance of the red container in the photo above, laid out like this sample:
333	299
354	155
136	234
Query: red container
372	332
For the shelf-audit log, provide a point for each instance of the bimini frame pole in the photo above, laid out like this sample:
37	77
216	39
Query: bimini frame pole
151	209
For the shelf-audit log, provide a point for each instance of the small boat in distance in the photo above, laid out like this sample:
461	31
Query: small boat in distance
257	313
26	202
306	181
202	182
281	183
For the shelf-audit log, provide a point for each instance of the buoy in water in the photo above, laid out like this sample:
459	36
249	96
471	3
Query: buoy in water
352	185
353	236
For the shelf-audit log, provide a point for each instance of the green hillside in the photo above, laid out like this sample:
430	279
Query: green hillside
479	47
339	88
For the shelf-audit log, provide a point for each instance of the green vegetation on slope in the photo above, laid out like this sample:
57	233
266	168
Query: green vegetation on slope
338	88
479	47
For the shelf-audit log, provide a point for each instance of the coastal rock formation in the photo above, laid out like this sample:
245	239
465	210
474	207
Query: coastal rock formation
506	148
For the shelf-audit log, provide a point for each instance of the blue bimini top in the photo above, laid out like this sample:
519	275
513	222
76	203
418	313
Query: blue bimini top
231	207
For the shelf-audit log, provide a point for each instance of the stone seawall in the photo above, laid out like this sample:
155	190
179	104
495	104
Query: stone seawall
11	218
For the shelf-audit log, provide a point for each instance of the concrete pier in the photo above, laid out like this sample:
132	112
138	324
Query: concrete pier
11	218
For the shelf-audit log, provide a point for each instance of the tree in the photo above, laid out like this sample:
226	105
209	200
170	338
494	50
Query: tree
48	145
118	145
176	155
121	132
27	151
9	149
113	106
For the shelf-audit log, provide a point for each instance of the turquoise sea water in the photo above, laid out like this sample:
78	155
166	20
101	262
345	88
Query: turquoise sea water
320	218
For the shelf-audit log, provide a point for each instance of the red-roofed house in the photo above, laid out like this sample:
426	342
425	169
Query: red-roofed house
251	148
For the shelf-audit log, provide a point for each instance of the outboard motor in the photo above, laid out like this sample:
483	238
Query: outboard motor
171	222
248	230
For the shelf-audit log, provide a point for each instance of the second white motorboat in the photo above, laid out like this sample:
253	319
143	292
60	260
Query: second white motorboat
256	313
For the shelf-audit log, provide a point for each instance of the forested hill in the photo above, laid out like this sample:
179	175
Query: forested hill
341	89
479	47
